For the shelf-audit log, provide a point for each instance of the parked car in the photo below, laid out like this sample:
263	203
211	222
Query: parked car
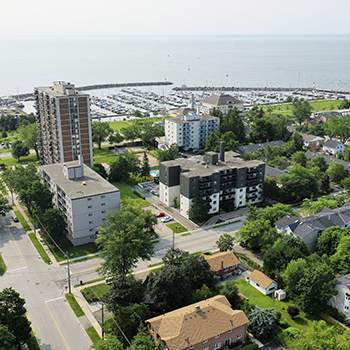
167	219
156	193
153	192
159	215
15	219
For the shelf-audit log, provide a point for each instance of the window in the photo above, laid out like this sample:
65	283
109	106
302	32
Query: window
192	346
239	336
90	206
217	346
90	214
103	211
103	203
206	349
218	336
89	199
104	219
103	196
230	331
91	222
91	229
205	341
226	269
258	285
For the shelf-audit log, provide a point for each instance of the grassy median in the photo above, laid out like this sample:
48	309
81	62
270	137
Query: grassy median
2	266
39	248
74	305
92	333
22	220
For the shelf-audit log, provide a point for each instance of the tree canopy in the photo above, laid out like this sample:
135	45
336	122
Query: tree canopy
124	238
301	110
199	209
225	242
29	134
100	132
168	152
329	240
19	149
262	321
341	259
337	172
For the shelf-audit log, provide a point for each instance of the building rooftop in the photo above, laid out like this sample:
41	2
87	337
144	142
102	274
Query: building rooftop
260	146
221	100
59	89
309	155
195	323
260	278
274	173
90	184
182	120
310	138
332	143
196	166
343	281
221	260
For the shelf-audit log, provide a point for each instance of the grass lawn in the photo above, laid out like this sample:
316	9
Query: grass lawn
95	292
74	252
102	152
22	221
92	281
32	342
39	248
92	333
2	266
186	234
126	192
74	305
5	150
177	227
302	322
117	126
109	159
23	160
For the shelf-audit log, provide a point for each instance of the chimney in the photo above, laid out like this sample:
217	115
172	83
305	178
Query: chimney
222	263
198	308
81	162
222	151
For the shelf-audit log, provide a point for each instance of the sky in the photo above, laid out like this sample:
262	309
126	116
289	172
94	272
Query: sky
173	17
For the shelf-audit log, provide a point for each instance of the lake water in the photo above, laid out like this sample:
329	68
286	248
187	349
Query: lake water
296	61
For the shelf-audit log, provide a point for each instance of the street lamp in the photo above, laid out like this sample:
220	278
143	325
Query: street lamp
68	262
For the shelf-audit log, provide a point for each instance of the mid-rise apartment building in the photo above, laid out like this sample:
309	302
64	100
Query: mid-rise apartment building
83	197
225	183
64	123
190	131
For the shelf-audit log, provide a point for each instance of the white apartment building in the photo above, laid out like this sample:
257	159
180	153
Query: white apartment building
225	184
190	131
83	197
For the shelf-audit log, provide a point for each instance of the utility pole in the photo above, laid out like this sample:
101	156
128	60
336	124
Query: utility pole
173	240
69	286
103	322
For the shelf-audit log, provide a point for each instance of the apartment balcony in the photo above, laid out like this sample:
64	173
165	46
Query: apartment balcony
227	178
252	191
252	182
227	185
207	192
251	196
205	179
252	176
226	199
252	170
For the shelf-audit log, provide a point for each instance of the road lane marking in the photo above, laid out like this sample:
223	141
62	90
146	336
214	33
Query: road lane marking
20	268
57	326
47	301
78	272
15	242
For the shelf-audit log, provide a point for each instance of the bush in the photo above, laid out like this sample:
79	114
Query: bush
283	322
139	194
250	262
278	315
293	311
292	332
334	312
88	295
250	347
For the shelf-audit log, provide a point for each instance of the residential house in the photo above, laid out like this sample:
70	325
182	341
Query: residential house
274	173
260	146
262	283
312	141
207	325
341	301
313	121
222	102
309	155
223	264
333	147
310	228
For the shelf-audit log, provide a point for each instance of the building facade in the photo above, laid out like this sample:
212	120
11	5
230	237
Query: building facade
64	124
225	184
210	324
83	197
190	131
262	283
341	301
223	264
222	102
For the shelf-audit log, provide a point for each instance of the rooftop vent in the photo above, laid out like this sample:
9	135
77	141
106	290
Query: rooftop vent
84	183
197	307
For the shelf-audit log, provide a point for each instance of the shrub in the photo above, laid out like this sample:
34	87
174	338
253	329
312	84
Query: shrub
139	194
334	312
283	322
250	347
292	332
293	311
278	315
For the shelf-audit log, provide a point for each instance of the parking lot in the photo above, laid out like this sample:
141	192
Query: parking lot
161	228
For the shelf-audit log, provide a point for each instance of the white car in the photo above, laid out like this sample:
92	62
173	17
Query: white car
167	219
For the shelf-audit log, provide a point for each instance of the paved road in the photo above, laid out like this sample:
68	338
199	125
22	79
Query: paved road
43	287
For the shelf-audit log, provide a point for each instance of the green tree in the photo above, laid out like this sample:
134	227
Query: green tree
142	341
203	293
53	222
277	212
19	149
4	206
137	114
124	165
132	132
346	154
338	127
329	240
257	235
199	209
311	282
299	158
337	172
100	169
115	138
125	290
13	315
344	104
29	134
284	250
262	321
301	110
110	342
21	177
322	336
262	131
230	291
299	184
4	134
271	189
341	259
225	242
314	207
150	132
100	132
7	339
325	184
233	121
123	240
145	169
319	162
296	142
168	152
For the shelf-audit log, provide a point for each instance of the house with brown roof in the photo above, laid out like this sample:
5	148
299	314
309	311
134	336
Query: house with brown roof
207	325
262	283
223	264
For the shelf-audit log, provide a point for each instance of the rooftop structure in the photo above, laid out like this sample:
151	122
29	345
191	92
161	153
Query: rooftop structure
260	146
222	102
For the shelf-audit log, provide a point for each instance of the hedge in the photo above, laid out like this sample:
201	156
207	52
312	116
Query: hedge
253	346
139	194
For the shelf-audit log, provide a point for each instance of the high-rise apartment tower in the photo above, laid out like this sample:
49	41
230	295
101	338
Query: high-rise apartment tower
64	125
